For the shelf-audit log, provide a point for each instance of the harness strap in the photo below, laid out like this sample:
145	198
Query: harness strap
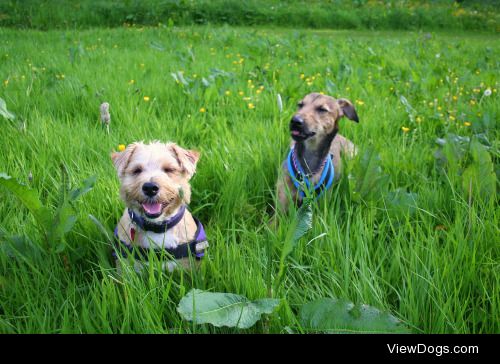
182	250
157	228
299	177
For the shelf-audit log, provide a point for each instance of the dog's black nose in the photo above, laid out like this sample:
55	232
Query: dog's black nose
150	189
297	122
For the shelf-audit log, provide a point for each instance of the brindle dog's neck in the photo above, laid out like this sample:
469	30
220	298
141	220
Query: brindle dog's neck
312	154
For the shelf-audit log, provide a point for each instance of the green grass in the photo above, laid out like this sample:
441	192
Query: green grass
330	14
435	268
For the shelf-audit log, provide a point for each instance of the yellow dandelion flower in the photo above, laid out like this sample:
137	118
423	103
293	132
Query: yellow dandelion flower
360	102
431	104
241	93
251	106
227	93
121	147
439	108
455	98
258	91
467	123
235	62
405	129
452	118
146	98
472	102
131	82
476	90
302	76
142	65
249	81
261	88
418	119
478	72
247	98
251	86
6	82
347	88
202	110
309	83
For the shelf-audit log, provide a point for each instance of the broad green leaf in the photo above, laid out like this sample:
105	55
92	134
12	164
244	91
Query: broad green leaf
63	222
301	224
4	112
479	178
371	181
87	185
400	202
451	152
339	315
18	246
27	196
223	309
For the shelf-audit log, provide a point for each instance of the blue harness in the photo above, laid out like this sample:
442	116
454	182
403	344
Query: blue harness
300	178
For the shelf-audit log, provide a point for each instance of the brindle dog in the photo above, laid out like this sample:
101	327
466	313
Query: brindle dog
314	130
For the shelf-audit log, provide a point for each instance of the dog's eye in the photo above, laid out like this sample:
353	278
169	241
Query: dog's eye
300	105
137	170
168	170
322	109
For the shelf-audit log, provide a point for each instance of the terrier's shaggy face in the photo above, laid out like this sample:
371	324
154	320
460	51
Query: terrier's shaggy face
155	177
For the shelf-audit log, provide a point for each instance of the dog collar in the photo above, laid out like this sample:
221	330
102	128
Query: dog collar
160	227
183	250
300	178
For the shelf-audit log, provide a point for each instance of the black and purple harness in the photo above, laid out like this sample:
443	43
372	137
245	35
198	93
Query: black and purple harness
183	250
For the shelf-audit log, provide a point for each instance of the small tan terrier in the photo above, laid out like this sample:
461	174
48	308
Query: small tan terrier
314	160
155	188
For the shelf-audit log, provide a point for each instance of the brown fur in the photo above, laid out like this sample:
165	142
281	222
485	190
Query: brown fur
321	115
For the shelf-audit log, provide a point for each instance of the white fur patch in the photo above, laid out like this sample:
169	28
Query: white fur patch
158	241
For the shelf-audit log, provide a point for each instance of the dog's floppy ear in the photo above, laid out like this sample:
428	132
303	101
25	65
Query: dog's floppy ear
121	159
187	159
348	110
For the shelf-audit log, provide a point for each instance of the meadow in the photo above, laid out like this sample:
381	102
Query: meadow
412	227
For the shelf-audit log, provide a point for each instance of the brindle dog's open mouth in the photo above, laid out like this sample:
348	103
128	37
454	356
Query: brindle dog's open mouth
299	134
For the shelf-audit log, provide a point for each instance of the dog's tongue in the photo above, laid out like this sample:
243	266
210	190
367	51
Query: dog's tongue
295	132
152	208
